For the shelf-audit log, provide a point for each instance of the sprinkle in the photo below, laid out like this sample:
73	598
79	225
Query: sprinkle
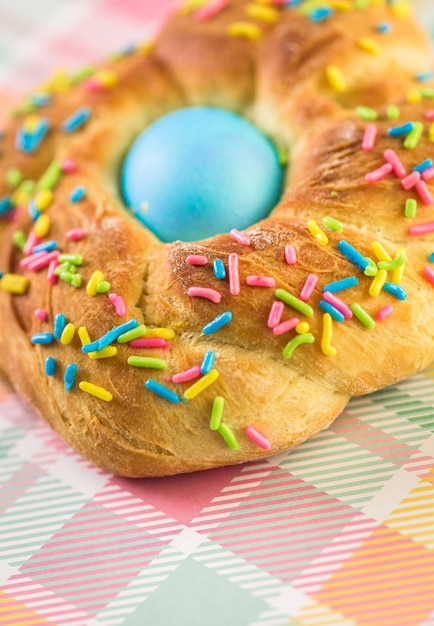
77	194
196	388
233	271
391	157
210	10
378	174
68	166
161	333
147	361
275	315
14	283
219	269
186	375
428	272
431	257
336	79
352	255
294	302
67	334
96	277
257	438
135	333
43	199
228	436
338	304
217	323
14	177
103	287
163	392
393	112
378	283
69	376
340	285
104	353
201	292
295	342
401	8
316	232
76	120
395	290
290	255
149	342
399	260
46	246
380	252
414	96
75	259
428	173
196	259
424	193
42	226
94	390
403	129
75	234
31	242
51	276
366	113
384	27
327	334
19	239
308	287
362	316
414	136
302	328
286	326
31	133
50	366
369	45
208	362
42	338
384	312
244	30
423	165
431	132
264	13
110	336
240	237
331	310
41	315
50	178
369	137
216	413
333	224
261	281
118	303
59	325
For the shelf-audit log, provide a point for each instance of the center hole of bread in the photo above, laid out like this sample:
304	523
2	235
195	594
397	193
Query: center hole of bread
199	172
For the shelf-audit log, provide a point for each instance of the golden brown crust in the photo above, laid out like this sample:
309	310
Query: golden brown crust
278	80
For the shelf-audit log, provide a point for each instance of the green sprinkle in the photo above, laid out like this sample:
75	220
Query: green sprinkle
81	74
135	333
14	177
410	207
332	224
74	259
76	281
334	194
216	413
65	267
414	136
362	316
427	93
19	239
51	176
103	286
366	113
282	155
288	350
398	261
393	112
147	361
372	269
229	437
294	302
66	276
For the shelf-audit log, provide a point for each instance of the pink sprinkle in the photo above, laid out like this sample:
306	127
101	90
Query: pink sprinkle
28	260
51	276
68	166
210	10
381	172
276	313
430	114
428	272
391	157
197	259
290	255
241	238
43	261
257	438
202	292
118	303
421	229
41	315
92	84
424	193
75	234
32	241
428	173
411	180
286	326
234	276
308	287
369	137
384	312
148	342
185	376
261	281
338	304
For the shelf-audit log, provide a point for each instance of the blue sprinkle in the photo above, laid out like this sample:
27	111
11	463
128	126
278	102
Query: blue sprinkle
76	120
208	362
34	213
219	269
398	131
384	27
109	337
50	366
1	274
289	4
320	14
423	76
395	290
42	338
5	205
217	323
423	165
340	285
329	308
29	142
47	246
77	194
162	391
59	325
353	255
431	257
40	99
69	376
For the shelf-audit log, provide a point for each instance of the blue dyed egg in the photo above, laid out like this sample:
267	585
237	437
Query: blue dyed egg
201	171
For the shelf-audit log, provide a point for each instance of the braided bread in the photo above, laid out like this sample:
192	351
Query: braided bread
152	358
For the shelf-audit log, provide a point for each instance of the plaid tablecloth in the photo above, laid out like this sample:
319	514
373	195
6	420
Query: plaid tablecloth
338	533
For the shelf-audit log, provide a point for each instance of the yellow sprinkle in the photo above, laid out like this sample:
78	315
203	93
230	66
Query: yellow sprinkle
84	336
264	13
327	332
401	8
106	77
369	45
94	390
189	6
59	81
42	226
161	333
23	193
14	283
378	283
414	96
104	353
336	79
398	274
30	123
380	252
201	384
146	47
43	199
96	278
244	30
340	5
67	334
316	232
431	132
302	328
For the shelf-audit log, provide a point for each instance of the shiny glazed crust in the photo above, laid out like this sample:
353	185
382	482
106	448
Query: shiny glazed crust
274	67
